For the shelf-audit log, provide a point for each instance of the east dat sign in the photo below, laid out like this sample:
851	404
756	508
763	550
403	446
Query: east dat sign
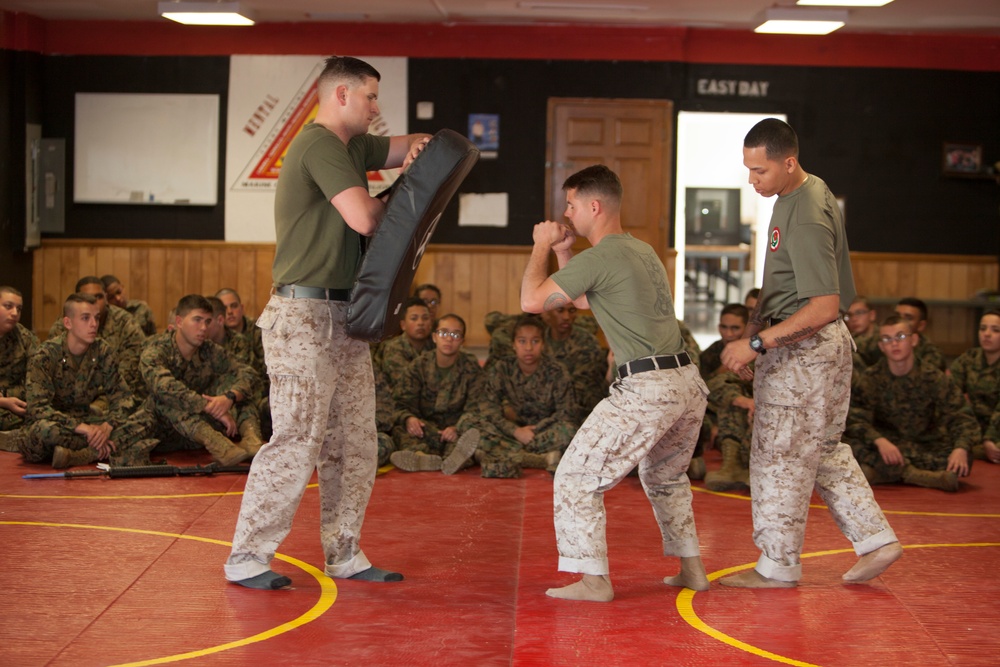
732	88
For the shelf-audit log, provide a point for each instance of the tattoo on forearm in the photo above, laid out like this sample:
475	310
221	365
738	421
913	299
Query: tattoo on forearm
555	300
794	336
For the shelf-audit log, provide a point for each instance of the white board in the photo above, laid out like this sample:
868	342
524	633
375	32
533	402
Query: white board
146	148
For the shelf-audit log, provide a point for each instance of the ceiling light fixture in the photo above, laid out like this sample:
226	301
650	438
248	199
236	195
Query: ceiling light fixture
581	6
206	13
794	21
842	3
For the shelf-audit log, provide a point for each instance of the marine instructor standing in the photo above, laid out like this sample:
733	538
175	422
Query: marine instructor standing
802	374
322	386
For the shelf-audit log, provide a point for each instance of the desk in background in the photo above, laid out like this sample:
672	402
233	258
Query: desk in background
704	264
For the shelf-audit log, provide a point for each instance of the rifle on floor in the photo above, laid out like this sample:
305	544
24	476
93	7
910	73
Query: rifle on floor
122	472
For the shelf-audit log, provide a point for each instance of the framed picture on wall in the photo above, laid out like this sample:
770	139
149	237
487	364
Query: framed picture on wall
961	159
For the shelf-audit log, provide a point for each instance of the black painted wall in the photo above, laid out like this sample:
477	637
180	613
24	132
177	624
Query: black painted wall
874	135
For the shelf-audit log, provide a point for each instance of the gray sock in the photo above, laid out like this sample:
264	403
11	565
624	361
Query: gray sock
266	581
375	574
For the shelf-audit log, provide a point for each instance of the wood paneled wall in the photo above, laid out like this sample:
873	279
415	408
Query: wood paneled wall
945	282
473	279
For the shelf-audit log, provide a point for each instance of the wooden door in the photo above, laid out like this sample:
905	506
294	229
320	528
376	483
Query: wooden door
632	137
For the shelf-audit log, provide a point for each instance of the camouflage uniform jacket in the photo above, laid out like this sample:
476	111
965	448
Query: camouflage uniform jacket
868	346
726	386
121	332
587	363
16	348
395	354
711	360
980	382
255	343
385	407
176	384
438	398
143	316
690	344
927	352
922	407
540	399
61	387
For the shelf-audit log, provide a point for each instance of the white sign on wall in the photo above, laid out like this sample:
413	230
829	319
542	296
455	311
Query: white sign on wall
270	99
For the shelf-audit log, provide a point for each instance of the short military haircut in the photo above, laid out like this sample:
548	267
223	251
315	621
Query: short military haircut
427	286
914	302
992	311
737	309
218	308
527	320
109	280
88	280
75	298
753	294
449	316
861	298
192	302
410	303
228	291
776	136
344	69
7	289
894	319
597	181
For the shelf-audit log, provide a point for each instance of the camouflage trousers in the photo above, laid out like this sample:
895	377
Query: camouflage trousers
922	455
499	454
430	441
180	430
651	420
10	421
802	394
323	415
133	439
735	427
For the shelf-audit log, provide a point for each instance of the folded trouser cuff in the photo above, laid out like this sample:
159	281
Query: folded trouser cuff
686	548
876	541
343	570
775	570
595	566
245	570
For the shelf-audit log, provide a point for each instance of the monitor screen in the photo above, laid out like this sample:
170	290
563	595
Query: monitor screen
713	216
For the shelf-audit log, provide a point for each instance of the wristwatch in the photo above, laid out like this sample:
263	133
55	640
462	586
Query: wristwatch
231	396
757	345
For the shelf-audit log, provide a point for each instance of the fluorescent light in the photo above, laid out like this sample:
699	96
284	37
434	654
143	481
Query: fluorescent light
792	21
206	13
581	6
842	3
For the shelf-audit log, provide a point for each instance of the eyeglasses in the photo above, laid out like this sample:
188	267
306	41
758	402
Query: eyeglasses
454	335
856	313
431	302
898	338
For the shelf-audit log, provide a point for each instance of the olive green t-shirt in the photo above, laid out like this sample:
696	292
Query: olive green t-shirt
807	252
315	247
627	288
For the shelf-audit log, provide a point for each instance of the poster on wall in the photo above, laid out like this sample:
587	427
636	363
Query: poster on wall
270	99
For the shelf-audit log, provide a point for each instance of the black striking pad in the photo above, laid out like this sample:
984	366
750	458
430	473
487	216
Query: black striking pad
416	201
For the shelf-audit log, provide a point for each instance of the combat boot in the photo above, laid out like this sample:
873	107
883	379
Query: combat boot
945	480
10	441
222	449
696	469
250	437
731	476
411	461
529	460
878	476
64	457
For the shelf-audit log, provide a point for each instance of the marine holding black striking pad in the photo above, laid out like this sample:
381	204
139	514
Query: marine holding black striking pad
414	206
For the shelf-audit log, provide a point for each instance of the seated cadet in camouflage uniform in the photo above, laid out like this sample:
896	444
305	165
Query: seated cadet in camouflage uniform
914	311
908	421
238	324
16	346
140	311
66	375
385	416
580	353
393	355
118	329
432	430
977	374
431	295
732	323
731	398
861	322
197	387
526	417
